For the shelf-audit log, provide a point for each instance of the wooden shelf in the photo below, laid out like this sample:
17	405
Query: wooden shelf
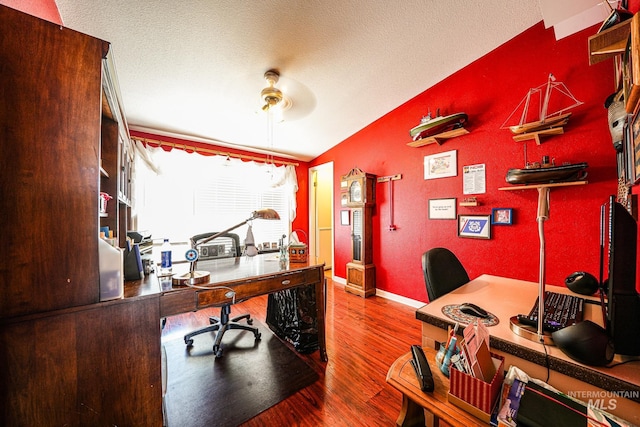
439	138
469	201
537	135
610	42
536	186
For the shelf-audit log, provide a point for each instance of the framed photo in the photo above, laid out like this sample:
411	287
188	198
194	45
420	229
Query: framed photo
633	157
474	226
502	216
343	198
344	218
441	165
442	208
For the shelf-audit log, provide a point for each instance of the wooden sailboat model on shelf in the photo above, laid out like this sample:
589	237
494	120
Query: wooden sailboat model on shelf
544	111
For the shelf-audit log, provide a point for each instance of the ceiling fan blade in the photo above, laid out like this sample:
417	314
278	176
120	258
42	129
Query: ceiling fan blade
302	99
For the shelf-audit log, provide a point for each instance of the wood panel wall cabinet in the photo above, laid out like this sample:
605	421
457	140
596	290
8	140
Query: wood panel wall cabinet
67	369
50	128
65	358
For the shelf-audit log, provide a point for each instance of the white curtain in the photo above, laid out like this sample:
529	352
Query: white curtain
180	193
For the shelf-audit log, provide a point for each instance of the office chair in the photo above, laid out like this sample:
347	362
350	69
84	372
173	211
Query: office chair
443	272
226	245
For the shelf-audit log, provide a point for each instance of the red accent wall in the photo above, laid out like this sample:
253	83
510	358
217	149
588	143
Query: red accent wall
45	9
302	173
487	90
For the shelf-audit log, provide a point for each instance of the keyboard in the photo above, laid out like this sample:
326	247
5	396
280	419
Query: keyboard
560	311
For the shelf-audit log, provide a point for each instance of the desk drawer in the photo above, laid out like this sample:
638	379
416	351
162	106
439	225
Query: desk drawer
173	303
219	295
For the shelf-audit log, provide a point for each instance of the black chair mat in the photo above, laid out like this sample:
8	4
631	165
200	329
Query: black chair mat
250	377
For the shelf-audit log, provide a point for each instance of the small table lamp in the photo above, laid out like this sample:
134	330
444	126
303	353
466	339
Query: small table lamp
194	277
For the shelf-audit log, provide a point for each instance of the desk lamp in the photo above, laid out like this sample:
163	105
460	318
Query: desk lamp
194	277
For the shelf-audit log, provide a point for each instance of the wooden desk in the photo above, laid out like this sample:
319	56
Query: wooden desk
248	277
414	401
508	297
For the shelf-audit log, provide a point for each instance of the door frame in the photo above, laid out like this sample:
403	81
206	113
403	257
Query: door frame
313	238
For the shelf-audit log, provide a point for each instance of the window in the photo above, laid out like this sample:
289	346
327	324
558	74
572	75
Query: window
191	193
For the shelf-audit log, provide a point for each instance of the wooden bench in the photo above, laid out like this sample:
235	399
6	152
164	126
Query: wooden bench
415	402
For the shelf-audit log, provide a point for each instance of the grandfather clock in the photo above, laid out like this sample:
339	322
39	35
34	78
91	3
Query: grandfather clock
359	195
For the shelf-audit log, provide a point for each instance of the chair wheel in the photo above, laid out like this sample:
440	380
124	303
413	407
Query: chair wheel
217	350
258	335
188	342
250	321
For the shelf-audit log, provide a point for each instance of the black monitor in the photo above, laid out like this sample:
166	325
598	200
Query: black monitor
623	301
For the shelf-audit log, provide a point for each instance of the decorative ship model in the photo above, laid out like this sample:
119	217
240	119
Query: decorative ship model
433	126
546	172
545	110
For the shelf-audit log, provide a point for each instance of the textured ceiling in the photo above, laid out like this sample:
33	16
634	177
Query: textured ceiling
194	68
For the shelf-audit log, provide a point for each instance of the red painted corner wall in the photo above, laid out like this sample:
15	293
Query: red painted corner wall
488	90
45	9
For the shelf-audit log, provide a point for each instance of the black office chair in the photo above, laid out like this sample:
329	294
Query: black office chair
224	246
443	272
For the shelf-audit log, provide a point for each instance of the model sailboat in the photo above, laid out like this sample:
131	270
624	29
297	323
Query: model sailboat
544	107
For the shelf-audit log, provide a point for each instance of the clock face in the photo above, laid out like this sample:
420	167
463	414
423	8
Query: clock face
355	191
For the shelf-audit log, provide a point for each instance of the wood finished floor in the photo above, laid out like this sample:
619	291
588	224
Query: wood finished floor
364	337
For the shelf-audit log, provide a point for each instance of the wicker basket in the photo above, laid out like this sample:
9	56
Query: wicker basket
298	252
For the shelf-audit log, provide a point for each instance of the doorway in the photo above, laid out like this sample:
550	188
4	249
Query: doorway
321	214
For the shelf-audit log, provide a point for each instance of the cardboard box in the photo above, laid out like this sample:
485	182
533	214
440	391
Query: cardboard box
473	394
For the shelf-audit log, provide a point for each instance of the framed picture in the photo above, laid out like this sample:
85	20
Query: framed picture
441	165
344	218
343	198
442	208
502	216
634	152
474	226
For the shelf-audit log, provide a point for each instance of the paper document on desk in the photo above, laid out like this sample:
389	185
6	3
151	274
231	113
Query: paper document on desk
476	341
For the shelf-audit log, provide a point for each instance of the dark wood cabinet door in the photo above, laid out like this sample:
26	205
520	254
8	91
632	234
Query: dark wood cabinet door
50	135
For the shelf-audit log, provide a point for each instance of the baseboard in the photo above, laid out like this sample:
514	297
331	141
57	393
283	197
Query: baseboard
399	298
387	295
340	280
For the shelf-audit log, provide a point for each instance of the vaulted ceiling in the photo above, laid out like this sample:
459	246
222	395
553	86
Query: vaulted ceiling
195	68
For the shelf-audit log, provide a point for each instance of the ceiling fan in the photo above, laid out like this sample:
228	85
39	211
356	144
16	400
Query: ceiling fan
271	95
281	101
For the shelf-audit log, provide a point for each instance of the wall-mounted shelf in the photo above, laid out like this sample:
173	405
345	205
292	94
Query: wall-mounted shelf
537	135
610	42
470	201
537	186
439	138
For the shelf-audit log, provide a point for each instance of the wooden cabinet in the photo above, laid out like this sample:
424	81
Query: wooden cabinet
68	369
117	156
50	133
65	358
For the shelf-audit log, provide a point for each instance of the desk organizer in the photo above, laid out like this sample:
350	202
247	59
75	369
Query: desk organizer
474	395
